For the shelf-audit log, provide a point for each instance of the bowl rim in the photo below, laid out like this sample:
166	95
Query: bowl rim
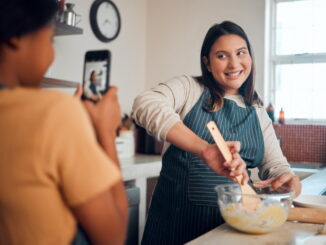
289	194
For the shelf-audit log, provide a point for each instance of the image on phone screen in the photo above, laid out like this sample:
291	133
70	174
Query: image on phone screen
96	74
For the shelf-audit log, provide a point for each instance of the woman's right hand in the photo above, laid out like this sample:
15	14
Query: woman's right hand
105	114
214	159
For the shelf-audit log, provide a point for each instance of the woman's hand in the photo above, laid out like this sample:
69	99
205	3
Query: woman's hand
214	159
79	91
287	180
105	114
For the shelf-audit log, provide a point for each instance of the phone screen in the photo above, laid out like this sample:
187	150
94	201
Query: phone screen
96	74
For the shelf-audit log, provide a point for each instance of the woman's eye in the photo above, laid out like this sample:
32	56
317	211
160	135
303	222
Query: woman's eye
241	53
221	56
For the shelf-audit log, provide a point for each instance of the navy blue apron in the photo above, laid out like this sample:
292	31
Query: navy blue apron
184	203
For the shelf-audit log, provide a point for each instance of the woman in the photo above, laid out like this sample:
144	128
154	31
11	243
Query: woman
53	172
184	201
91	88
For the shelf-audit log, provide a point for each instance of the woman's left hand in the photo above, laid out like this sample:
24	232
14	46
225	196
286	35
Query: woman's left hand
288	180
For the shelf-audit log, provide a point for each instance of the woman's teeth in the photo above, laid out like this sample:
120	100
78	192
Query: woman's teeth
233	74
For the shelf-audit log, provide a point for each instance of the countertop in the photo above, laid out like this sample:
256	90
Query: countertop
137	170
140	166
291	233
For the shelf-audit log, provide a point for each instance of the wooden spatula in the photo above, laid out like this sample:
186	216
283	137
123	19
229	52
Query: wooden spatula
249	203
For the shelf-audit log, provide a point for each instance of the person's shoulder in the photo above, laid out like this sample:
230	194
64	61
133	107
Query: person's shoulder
55	102
185	81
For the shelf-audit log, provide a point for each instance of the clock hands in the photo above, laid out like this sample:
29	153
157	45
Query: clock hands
106	21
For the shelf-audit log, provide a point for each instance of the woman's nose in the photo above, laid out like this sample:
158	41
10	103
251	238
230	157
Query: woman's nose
234	62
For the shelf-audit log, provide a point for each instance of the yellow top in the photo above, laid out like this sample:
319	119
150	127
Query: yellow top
49	161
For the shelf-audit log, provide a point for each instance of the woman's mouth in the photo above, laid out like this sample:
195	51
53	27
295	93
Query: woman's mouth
233	74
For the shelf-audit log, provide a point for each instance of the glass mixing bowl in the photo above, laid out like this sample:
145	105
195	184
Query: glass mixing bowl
270	213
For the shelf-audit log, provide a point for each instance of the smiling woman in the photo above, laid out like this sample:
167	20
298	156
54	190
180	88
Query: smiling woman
184	201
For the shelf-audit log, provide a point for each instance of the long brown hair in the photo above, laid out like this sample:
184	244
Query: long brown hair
247	90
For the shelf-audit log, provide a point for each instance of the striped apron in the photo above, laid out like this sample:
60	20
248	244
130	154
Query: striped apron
184	203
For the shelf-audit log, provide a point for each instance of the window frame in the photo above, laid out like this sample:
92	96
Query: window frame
273	60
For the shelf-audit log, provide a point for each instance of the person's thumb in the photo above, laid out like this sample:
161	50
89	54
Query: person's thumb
79	91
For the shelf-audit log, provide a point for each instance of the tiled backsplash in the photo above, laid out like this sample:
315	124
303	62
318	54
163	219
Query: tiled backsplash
303	143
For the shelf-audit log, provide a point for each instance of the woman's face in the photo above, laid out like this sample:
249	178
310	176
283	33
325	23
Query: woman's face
229	62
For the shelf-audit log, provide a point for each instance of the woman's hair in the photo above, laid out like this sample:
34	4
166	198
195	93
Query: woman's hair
20	17
247	89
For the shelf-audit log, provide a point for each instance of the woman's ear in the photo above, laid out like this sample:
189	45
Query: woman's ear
206	62
13	43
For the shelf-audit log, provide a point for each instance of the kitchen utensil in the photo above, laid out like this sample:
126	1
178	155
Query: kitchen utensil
249	203
311	201
307	215
271	213
69	15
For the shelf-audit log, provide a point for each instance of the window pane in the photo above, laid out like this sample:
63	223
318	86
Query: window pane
301	27
301	90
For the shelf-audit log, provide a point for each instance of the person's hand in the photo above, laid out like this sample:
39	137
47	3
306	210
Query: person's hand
105	114
214	159
79	91
287	180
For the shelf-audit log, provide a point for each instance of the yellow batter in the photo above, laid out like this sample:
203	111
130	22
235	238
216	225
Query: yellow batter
262	220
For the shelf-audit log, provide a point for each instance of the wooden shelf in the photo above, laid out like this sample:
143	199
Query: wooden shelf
57	83
62	29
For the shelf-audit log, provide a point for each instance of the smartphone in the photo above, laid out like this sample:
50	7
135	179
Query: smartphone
96	74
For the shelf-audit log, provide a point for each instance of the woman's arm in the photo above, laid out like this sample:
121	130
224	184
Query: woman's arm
275	169
105	216
159	108
181	136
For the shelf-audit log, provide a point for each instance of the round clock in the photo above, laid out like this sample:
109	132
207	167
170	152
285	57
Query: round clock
105	20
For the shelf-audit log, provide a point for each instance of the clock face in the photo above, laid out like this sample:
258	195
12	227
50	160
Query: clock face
105	20
108	20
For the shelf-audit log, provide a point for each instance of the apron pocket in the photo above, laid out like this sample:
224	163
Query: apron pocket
201	183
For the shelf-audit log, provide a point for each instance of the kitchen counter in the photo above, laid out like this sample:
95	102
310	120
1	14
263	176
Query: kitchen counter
291	233
137	170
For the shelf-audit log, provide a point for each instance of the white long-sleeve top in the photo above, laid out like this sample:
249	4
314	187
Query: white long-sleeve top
161	107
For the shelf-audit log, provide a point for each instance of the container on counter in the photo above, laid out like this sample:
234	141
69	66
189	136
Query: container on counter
281	118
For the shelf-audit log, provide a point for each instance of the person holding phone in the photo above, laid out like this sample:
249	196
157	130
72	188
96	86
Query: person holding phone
184	203
56	169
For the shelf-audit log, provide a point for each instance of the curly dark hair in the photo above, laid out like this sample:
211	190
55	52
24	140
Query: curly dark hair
19	17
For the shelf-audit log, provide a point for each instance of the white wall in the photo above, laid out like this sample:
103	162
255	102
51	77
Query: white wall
176	29
159	39
128	50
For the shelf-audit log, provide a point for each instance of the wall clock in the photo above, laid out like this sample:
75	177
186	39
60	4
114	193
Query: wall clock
105	20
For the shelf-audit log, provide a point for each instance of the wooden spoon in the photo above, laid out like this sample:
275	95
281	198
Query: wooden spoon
250	203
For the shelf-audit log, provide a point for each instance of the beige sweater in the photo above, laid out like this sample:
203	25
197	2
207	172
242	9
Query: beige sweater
160	108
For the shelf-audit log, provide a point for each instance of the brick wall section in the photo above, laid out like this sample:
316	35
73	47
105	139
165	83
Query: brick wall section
303	143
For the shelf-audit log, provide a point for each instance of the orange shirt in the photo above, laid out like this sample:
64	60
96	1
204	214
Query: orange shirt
49	161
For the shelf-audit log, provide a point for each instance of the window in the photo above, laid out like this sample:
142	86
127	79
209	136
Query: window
298	58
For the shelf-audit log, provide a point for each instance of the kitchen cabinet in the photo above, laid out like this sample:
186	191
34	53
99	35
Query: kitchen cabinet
142	169
62	29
